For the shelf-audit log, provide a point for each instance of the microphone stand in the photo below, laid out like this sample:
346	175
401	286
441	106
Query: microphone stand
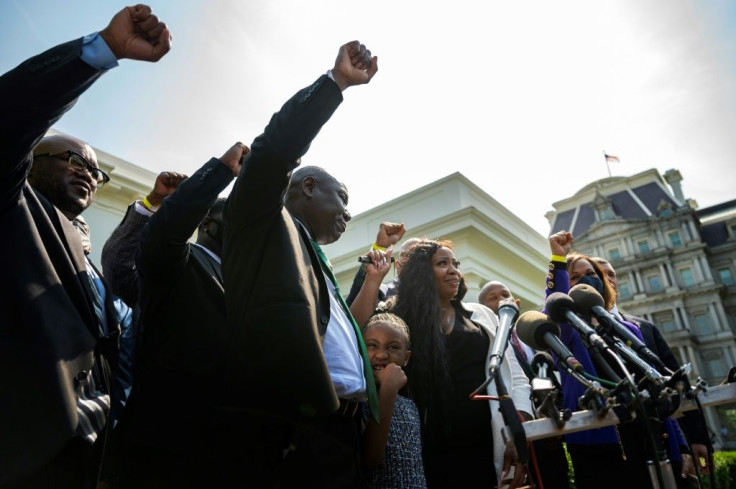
509	413
660	469
511	419
546	397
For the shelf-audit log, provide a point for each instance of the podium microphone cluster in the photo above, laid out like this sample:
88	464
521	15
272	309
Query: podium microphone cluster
537	330
589	301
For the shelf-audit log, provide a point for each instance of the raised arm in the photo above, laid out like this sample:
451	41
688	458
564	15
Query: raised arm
164	241
121	248
35	94
260	188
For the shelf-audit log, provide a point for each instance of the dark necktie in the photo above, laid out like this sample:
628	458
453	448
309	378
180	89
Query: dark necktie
97	291
367	369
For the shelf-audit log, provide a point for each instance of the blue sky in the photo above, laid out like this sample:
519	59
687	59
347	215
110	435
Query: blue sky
520	97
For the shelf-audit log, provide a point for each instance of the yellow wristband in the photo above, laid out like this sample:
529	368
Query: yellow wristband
379	248
558	258
147	204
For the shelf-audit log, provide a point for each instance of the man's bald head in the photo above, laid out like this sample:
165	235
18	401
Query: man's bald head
493	293
69	190
320	203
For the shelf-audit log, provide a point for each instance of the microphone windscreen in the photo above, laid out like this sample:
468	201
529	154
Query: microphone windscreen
531	327
556	305
509	308
585	297
542	357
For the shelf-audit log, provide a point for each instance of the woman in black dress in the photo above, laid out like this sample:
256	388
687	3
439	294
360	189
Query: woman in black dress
462	446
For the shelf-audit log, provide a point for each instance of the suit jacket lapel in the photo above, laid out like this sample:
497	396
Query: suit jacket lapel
207	262
83	293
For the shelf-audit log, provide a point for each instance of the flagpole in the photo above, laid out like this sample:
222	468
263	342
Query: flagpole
607	165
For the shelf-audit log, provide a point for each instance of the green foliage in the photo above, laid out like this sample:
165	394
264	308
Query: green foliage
725	471
724	474
570	473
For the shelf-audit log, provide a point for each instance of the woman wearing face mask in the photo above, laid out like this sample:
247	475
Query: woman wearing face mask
614	456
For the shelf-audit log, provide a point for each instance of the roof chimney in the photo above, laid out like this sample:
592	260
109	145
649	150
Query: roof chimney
674	178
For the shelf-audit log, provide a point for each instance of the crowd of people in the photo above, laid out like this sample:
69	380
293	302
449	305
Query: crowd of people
235	360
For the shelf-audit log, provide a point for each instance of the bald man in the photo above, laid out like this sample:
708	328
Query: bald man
58	325
296	359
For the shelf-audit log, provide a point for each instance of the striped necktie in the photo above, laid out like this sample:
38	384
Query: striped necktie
367	369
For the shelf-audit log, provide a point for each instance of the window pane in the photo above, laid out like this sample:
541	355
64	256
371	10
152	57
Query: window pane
654	284
614	254
624	290
687	277
675	239
726	277
643	246
668	325
702	324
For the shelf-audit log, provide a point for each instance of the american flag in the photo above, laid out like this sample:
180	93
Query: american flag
611	159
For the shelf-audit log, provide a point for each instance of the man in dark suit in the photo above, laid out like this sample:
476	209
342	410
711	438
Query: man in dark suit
121	248
183	334
692	422
58	332
296	366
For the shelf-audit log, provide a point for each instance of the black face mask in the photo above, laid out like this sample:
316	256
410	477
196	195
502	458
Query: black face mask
594	282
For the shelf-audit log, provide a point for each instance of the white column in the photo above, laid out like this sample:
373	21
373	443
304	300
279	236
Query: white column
717	324
686	235
685	319
730	354
695	360
630	245
659	237
706	268
638	281
723	318
693	231
697	271
678	320
665	275
634	285
669	269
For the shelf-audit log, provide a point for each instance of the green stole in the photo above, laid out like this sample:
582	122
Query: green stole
367	369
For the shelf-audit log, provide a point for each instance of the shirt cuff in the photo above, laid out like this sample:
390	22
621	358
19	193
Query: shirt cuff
141	209
96	52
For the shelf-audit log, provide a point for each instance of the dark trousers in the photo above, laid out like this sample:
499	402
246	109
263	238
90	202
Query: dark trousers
552	463
260	451
77	466
603	467
144	467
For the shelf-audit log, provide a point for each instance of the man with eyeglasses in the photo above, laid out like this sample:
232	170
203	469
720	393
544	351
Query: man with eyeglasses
58	324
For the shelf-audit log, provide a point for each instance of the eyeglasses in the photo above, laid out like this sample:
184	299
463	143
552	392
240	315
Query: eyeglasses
79	163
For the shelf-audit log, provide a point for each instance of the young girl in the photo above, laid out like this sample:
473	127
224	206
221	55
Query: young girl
392	448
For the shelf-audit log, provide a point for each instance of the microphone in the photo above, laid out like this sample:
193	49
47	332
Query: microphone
365	259
588	300
561	308
507	314
541	333
542	363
